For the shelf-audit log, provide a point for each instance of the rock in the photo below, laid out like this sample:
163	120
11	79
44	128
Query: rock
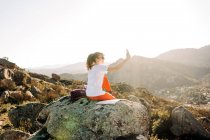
56	77
7	64
12	96
35	91
22	78
183	123
25	116
20	88
28	96
141	100
39	76
7	84
138	99
49	94
84	119
6	73
42	134
42	77
14	135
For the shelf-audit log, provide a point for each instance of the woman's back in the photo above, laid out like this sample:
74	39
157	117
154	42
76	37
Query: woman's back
95	80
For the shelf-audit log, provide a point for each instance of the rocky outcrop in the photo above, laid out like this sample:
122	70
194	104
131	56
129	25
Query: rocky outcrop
16	97
35	91
56	77
6	73
14	135
83	119
39	76
7	84
42	77
18	85
22	78
7	64
25	116
183	123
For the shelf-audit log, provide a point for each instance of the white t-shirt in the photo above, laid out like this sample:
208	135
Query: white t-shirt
95	80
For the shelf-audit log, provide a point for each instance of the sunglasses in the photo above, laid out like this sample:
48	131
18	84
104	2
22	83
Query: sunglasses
101	57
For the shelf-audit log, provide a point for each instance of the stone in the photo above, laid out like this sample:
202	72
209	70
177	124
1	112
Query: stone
35	91
83	119
22	78
56	77
7	84
183	123
6	73
12	97
25	116
14	135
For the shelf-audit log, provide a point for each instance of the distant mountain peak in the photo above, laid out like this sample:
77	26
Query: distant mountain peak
75	68
189	56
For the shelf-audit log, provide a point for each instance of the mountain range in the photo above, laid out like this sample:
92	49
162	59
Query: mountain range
157	74
196	57
71	68
171	69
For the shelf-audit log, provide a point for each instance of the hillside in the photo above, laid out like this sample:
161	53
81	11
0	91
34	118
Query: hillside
68	76
196	57
72	68
157	74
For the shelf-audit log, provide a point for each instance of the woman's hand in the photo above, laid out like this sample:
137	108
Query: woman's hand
119	65
128	56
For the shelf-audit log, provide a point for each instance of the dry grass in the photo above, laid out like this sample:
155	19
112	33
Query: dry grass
4	115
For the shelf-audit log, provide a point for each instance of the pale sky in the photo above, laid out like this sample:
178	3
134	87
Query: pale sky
47	32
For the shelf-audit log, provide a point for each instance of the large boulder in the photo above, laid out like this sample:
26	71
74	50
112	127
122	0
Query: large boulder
35	91
42	77
22	78
14	135
6	73
85	119
25	116
39	76
183	123
7	84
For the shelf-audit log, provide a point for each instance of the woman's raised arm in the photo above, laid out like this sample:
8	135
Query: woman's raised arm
120	65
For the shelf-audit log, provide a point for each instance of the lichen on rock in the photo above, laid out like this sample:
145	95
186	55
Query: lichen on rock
83	119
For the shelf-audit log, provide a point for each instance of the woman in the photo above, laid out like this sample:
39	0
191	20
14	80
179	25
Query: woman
98	87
